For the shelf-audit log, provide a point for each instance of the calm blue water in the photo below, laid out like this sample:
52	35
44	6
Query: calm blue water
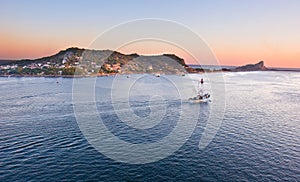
258	140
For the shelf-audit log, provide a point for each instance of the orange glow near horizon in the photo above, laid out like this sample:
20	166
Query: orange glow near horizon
235	57
27	48
14	46
17	47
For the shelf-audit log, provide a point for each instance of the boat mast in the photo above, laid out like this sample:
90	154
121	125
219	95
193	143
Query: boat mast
200	88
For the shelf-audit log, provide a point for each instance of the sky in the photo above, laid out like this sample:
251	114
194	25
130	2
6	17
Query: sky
237	31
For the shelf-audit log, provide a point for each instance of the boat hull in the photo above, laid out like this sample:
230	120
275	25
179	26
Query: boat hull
191	100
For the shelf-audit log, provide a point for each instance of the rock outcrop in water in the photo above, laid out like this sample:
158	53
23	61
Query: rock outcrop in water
252	67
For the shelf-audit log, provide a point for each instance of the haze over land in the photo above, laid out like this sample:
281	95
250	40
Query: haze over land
238	32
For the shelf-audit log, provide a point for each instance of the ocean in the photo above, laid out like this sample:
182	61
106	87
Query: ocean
142	128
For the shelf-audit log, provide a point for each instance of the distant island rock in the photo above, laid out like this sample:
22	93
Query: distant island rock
252	67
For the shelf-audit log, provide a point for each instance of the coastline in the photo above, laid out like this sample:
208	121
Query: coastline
114	74
60	76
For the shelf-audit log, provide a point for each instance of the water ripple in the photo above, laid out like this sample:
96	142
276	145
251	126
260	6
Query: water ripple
258	141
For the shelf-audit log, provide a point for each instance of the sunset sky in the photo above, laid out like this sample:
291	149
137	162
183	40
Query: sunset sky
237	31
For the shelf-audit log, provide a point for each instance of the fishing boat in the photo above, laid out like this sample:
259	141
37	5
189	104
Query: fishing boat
200	96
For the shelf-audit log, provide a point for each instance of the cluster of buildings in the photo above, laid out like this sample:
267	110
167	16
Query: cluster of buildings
112	67
8	67
65	64
45	65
